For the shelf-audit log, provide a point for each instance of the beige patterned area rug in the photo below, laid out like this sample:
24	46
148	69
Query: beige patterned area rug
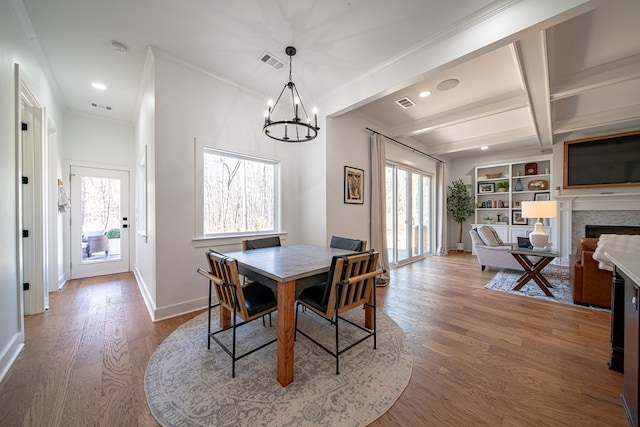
188	385
505	280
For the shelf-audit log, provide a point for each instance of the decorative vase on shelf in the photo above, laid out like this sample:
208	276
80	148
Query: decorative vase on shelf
519	186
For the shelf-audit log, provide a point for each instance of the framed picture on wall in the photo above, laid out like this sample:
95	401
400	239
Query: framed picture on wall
517	219
353	185
542	196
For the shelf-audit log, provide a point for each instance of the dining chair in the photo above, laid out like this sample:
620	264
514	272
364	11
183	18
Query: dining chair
350	284
247	302
348	244
266	242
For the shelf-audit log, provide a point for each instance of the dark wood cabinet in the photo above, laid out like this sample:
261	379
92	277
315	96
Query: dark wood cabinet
631	342
616	362
625	339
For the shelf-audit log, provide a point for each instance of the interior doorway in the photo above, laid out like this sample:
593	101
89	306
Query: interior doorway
33	178
99	221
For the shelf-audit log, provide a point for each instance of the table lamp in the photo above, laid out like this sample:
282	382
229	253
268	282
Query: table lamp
539	209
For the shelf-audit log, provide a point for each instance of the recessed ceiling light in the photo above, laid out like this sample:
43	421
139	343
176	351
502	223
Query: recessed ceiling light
448	84
98	86
425	94
484	147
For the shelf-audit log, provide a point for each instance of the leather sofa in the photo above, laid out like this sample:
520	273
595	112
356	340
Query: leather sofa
591	285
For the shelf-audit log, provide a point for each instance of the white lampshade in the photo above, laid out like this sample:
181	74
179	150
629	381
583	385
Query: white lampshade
540	209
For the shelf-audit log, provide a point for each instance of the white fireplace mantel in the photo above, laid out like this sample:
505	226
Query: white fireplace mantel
600	201
604	201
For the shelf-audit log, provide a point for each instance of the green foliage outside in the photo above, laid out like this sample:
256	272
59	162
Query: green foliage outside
114	233
460	203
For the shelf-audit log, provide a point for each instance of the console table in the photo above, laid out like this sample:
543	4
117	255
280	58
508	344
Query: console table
626	324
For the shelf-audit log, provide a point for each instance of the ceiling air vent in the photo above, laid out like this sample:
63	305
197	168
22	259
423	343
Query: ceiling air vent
271	61
103	107
405	103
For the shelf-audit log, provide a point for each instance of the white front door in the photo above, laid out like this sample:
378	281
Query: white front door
99	221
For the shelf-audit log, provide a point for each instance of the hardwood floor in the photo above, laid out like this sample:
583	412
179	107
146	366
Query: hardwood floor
480	357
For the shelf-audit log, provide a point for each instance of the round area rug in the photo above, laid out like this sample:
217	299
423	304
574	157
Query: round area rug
188	385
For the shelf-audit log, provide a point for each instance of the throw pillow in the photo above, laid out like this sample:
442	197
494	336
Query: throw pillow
489	236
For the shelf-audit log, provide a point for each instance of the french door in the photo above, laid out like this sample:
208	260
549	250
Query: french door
409	214
99	221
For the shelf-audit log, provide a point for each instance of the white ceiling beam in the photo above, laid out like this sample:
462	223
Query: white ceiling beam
486	108
515	136
597	77
531	56
491	31
604	118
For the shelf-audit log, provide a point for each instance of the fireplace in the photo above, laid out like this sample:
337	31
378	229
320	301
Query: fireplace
597	230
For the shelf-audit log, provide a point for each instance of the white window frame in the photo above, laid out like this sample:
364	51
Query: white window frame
200	147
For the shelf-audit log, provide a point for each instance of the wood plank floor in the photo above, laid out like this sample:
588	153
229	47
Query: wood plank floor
480	357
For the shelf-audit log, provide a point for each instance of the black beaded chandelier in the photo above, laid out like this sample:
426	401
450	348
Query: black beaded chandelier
297	129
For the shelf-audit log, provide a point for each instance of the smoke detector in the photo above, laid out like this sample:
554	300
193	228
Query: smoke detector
119	47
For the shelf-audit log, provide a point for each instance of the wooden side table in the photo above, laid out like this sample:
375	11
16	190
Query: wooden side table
533	270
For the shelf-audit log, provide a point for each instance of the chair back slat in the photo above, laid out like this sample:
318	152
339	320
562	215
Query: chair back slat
352	281
225	271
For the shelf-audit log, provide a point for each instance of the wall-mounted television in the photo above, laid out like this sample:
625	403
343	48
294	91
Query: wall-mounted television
604	161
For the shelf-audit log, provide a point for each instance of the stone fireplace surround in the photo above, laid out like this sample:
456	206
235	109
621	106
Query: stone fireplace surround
577	211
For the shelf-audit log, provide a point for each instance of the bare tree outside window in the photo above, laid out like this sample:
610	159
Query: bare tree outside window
239	194
101	207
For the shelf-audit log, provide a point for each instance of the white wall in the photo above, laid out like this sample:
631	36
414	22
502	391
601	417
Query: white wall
347	145
15	48
94	141
144	259
190	104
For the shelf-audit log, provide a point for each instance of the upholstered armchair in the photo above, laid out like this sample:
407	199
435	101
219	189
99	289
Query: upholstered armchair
97	243
591	285
491	250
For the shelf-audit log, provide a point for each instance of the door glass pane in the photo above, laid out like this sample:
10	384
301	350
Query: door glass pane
100	217
426	214
390	209
403	215
416	208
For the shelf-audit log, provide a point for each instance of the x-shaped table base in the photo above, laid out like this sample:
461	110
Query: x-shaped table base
533	271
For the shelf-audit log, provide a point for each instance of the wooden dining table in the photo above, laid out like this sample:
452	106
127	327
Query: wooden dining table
286	269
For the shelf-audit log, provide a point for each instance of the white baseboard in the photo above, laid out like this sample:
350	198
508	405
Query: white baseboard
167	312
146	296
10	353
182	308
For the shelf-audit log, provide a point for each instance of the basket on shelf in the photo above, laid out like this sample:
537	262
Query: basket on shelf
494	175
